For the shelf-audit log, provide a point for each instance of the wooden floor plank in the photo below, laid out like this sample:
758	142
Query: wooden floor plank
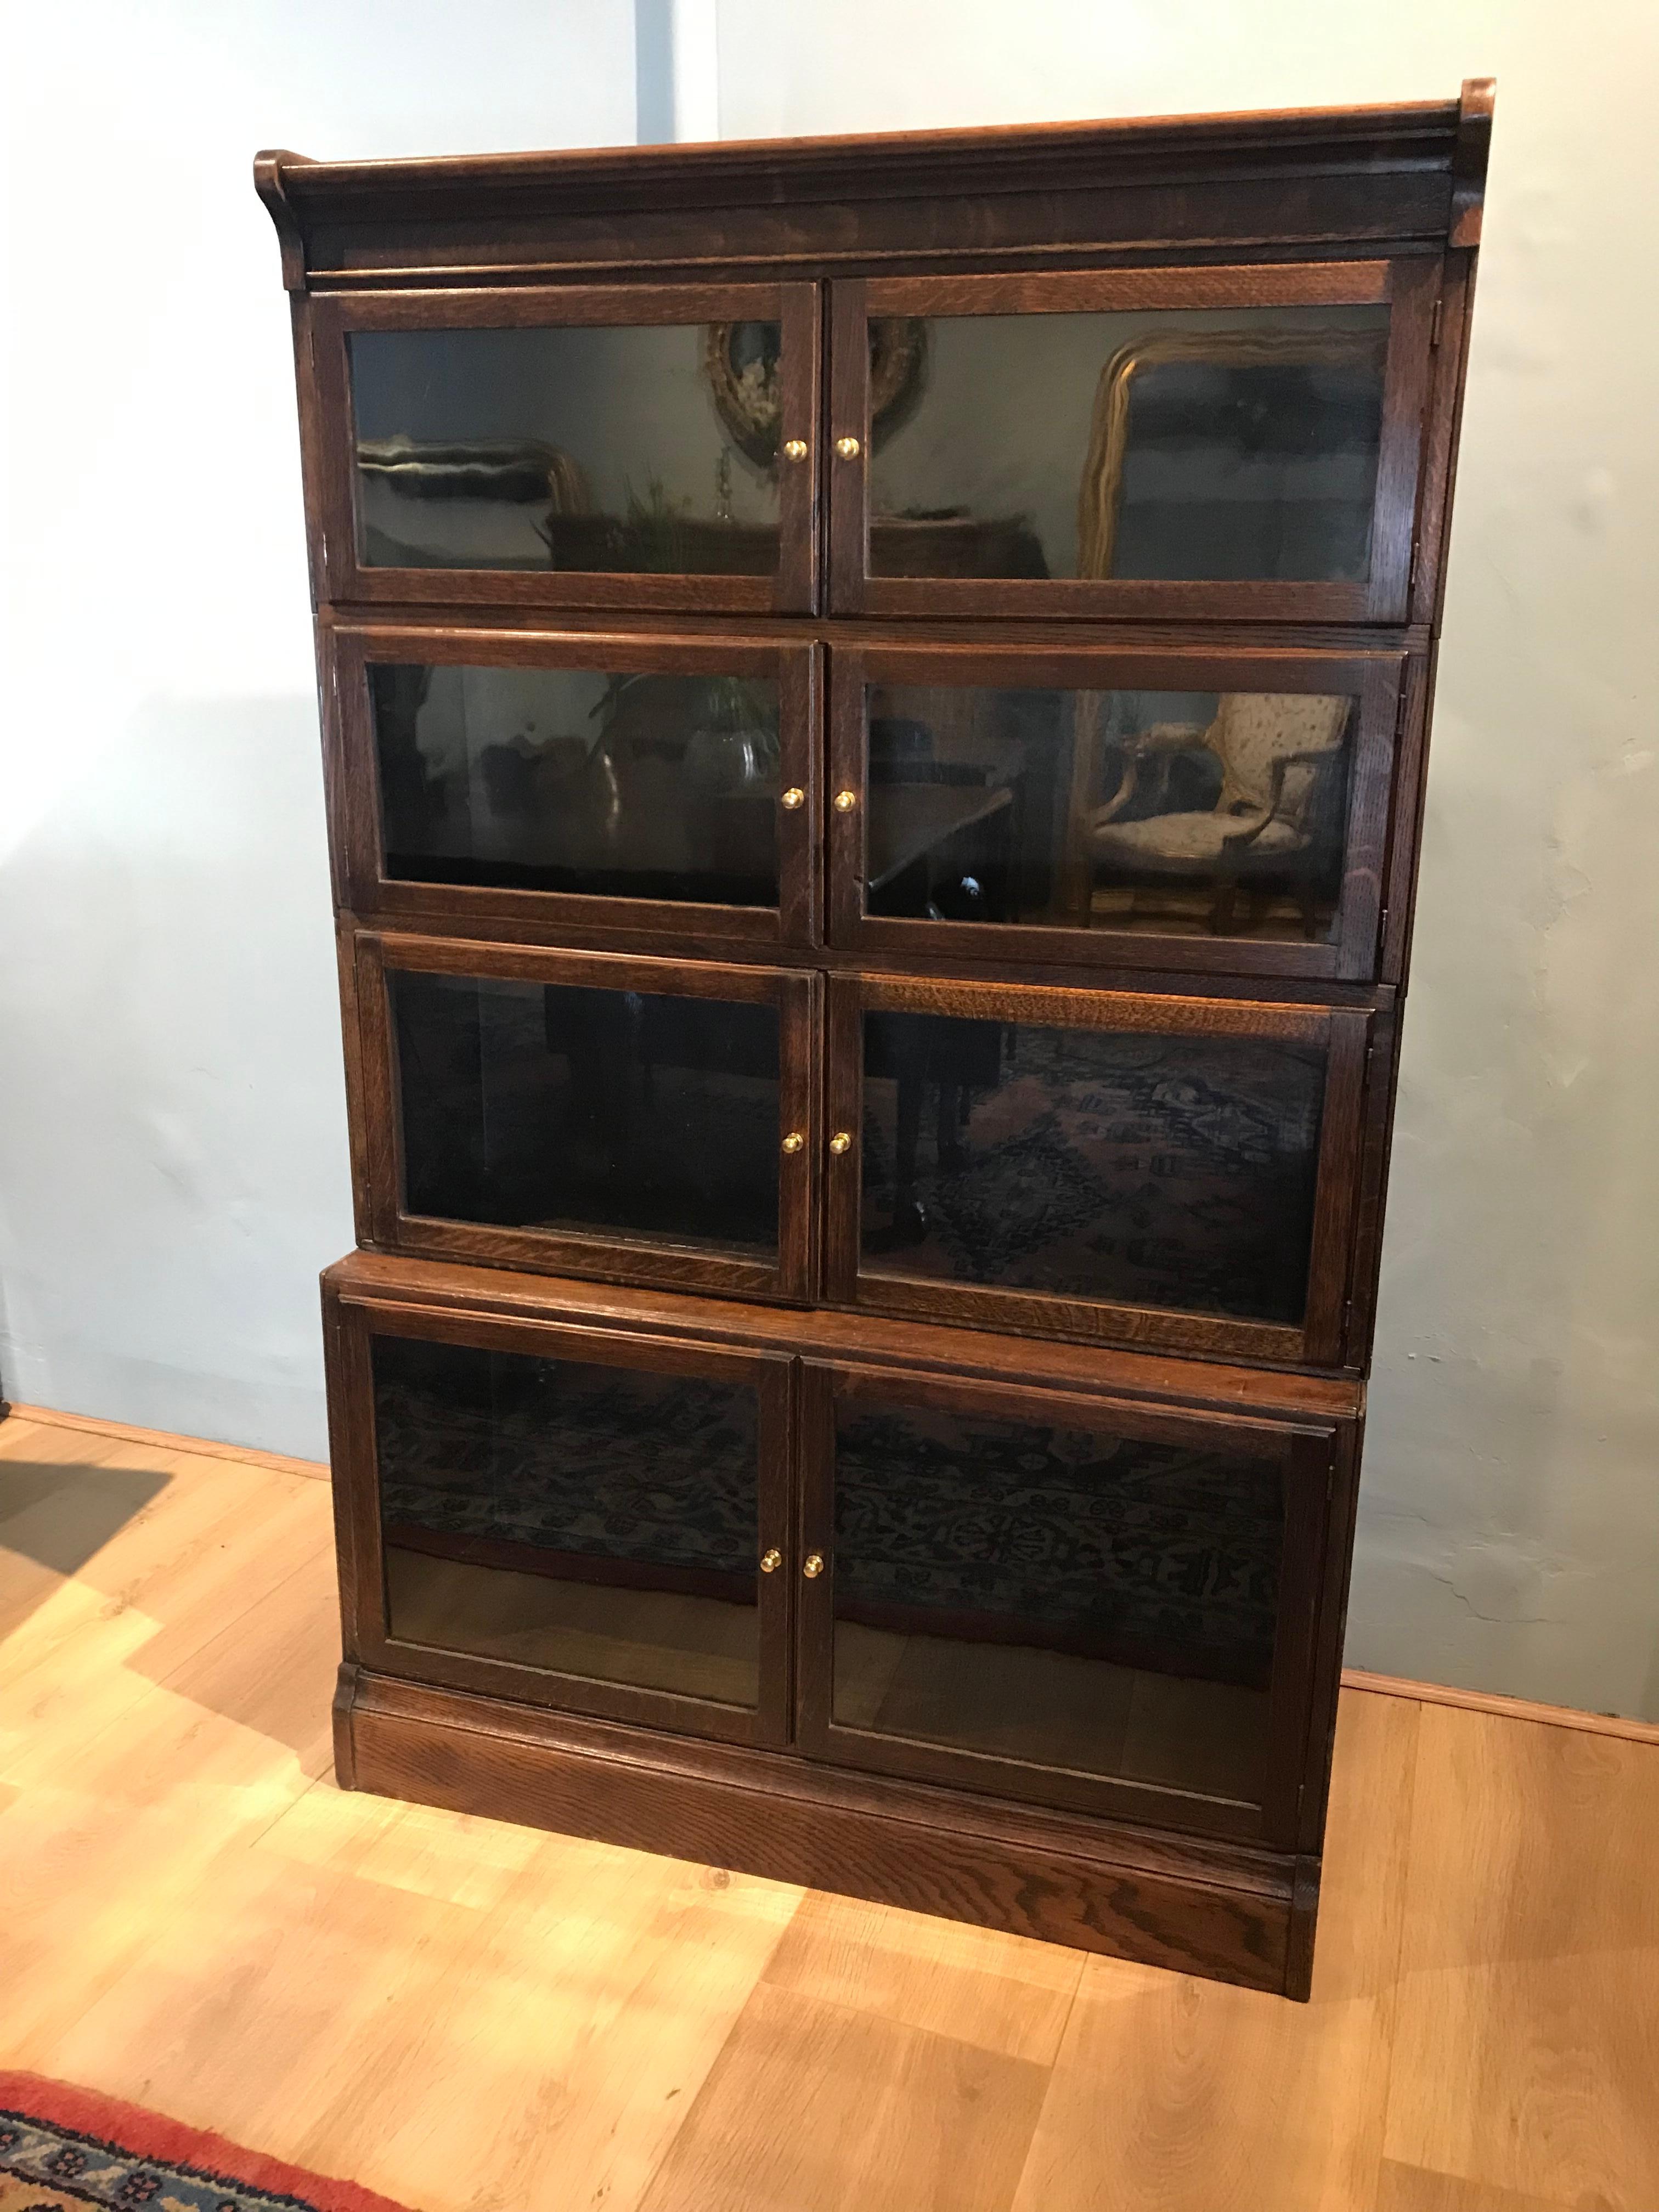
1414	2189
468	2015
1172	2092
1527	2049
813	2106
1002	1992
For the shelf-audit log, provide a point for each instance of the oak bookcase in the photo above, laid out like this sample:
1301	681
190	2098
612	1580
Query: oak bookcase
875	698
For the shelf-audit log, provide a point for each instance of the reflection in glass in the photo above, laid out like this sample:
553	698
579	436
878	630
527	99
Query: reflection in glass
1076	1598
561	1106
1224	444
579	447
1177	813
1131	1168
572	780
598	1520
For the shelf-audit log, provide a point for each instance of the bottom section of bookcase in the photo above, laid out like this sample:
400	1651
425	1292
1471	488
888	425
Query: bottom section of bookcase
1037	1636
1213	1909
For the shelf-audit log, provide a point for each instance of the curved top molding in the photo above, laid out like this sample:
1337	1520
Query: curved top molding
1417	166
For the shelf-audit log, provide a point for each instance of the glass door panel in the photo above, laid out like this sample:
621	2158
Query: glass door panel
601	445
1121	437
596	1115
1154	810
592	780
1156	1171
581	1520
1051	1596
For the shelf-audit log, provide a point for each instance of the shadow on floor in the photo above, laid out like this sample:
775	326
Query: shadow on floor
54	1518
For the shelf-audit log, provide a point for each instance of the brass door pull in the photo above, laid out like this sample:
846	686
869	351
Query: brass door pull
794	449
793	1142
771	1561
813	1565
791	798
845	801
847	449
839	1143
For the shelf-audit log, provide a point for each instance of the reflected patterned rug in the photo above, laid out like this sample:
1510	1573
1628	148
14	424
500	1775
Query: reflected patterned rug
64	2149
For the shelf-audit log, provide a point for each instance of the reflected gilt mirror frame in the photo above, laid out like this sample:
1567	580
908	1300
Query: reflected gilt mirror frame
1101	491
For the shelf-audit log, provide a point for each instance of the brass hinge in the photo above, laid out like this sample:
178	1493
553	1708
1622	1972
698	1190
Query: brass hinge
1434	323
1411	577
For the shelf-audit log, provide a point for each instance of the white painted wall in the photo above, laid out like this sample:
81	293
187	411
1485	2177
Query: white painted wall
1510	1524
172	1142
172	1149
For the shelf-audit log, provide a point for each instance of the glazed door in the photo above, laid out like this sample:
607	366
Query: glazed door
1065	1600
590	1114
621	446
1170	1173
1219	442
663	787
568	1516
1192	810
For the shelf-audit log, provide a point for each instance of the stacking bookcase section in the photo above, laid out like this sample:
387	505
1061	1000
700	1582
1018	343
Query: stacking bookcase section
875	699
749	1527
661	786
1130	808
557	447
591	1112
1143	1170
1197	441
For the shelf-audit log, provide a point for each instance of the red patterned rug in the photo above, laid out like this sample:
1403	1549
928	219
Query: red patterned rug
63	2149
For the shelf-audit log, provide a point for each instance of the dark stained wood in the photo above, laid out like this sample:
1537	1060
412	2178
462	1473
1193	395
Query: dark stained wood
1380	205
1339	1032
1071	634
1304	1915
833	960
1325	1670
1410	285
395	1286
1352	951
355	1475
1469	157
348	650
638	1258
1207	1908
1382	1078
789	589
1305	1456
1340	1145
1300	180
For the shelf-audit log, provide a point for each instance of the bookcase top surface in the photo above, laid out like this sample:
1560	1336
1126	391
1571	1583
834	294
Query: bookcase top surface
1420	165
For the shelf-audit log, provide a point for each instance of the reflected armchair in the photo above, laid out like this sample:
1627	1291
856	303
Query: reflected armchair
1280	755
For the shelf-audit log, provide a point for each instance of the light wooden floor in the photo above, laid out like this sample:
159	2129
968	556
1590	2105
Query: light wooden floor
469	2015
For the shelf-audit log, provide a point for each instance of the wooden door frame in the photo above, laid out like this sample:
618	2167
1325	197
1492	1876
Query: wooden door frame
347	649
684	1267
368	1639
1307	1453
792	589
1408	283
1343	1031
1376	681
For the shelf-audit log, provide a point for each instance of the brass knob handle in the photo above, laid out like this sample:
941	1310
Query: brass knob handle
771	1561
793	1141
845	801
847	449
791	798
794	449
839	1143
813	1565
